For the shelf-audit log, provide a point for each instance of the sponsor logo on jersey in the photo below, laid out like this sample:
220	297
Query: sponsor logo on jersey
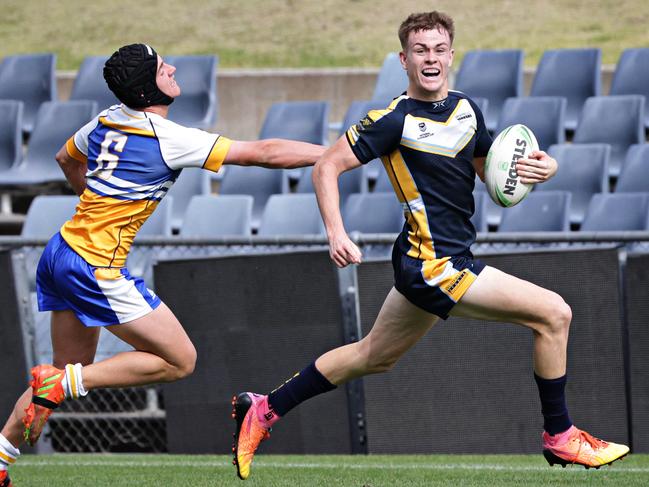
439	104
463	116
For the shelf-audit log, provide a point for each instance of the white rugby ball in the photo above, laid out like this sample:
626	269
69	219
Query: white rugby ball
502	181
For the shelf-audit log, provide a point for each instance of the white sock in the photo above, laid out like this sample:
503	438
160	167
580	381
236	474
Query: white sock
8	453
73	382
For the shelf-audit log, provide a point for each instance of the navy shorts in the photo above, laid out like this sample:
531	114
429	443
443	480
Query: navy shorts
434	285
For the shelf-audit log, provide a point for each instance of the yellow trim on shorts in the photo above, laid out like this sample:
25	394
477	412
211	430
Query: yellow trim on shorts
7	458
456	285
107	274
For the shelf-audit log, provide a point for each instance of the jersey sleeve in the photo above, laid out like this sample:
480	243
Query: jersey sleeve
188	147
77	145
375	135
483	140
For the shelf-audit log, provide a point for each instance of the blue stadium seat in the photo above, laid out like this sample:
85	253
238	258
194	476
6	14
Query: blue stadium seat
634	176
159	223
291	214
583	170
47	214
29	78
392	79
543	115
191	182
55	123
383	184
479	218
11	145
217	216
571	73
89	84
614	120
358	109
198	104
616	212
493	212
306	121
492	74
373	213
631	75
483	105
258	182
349	182
542	211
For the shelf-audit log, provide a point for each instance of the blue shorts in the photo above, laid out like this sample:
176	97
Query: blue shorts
434	285
98	296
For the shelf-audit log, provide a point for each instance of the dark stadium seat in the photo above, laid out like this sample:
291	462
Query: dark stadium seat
392	79
11	140
89	84
634	176
349	182
614	120
217	216
159	223
542	211
616	212
373	213
258	182
479	218
47	214
383	184
55	123
583	170
571	73
358	109
29	78
291	214
483	105
198	104
492	74
306	121
543	115
191	182
631	75
493	212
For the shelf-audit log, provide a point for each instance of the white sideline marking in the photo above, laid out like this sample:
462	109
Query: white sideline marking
331	466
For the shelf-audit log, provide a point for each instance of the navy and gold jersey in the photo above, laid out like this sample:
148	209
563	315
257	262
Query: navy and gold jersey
427	149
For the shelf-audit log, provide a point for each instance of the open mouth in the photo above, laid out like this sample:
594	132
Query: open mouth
431	72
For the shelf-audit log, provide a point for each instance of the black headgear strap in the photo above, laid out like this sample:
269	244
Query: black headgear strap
131	74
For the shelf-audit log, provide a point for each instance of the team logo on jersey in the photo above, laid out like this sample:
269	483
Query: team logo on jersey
439	104
364	123
422	126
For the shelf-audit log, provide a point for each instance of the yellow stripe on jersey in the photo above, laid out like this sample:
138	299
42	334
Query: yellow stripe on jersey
217	155
448	120
107	274
432	269
103	228
75	153
438	149
7	459
125	128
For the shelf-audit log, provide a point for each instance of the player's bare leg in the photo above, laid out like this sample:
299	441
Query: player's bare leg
497	296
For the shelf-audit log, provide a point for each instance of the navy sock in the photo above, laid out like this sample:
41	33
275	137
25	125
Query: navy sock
302	386
553	404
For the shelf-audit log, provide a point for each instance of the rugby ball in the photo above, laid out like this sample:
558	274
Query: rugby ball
502	181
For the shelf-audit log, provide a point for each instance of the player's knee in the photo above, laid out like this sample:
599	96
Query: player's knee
559	315
186	363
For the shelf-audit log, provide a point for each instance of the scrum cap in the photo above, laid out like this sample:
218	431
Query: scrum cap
131	75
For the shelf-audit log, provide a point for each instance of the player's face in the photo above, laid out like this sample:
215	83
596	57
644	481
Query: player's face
165	79
427	59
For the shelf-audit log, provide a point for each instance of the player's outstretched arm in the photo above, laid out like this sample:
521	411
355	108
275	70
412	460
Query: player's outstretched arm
338	159
73	169
538	167
273	153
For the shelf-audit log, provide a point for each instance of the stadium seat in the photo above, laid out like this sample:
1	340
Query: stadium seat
383	183
191	182
392	79
198	104
358	109
89	84
571	73
492	74
291	214
297	120
634	176
542	211
11	141
217	216
583	170
614	120
29	78
493	212
616	212
257	182
349	182
47	214
483	105
55	123
479	218
543	115
159	223
631	75
373	213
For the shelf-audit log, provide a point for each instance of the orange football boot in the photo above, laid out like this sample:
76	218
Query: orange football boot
5	481
250	432
47	395
575	446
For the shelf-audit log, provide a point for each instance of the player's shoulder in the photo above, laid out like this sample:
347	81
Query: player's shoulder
457	96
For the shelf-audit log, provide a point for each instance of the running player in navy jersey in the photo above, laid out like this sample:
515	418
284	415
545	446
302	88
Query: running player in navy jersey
432	142
121	164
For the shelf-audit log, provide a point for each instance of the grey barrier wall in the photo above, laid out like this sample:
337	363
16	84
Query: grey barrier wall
257	320
636	286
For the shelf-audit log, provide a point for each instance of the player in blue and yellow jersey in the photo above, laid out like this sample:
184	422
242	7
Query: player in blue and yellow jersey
121	164
432	142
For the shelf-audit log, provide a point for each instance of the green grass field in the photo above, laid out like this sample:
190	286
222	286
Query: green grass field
297	471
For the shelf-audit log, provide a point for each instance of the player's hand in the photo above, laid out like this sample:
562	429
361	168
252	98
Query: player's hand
343	251
538	167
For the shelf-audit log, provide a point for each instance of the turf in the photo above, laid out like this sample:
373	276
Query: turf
296	471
